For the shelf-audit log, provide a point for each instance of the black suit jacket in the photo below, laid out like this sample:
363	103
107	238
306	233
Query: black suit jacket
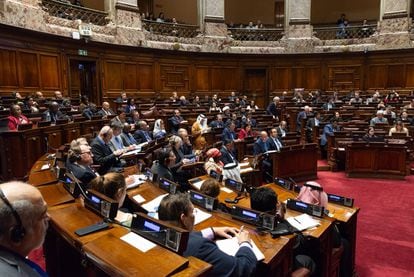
139	136
242	264
226	156
84	174
175	123
162	172
103	156
260	146
272	144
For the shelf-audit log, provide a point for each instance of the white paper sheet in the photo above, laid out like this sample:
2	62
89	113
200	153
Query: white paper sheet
303	222
231	246
138	242
139	198
200	216
226	190
152	206
197	184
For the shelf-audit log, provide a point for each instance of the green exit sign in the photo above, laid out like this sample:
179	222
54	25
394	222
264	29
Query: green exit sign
82	52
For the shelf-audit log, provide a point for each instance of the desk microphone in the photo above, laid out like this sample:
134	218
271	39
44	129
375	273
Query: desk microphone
74	179
296	187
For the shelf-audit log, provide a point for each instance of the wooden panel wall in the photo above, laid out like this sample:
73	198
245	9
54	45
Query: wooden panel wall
36	65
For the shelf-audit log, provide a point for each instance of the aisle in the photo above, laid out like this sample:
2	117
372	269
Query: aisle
385	238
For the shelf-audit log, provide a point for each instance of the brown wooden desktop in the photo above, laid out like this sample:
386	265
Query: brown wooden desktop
378	160
102	253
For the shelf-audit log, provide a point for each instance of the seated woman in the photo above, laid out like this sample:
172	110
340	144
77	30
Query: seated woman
177	209
161	168
398	129
264	199
199	127
214	107
180	175
213	161
16	117
252	106
245	131
159	129
112	185
370	135
31	105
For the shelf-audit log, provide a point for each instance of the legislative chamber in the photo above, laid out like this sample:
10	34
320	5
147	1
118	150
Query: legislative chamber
286	127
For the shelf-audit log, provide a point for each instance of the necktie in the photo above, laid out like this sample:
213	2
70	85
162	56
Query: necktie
147	136
265	146
277	144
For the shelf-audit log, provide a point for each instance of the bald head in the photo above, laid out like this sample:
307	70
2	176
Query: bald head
31	209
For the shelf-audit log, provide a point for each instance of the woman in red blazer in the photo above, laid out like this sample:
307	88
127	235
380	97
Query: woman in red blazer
16	117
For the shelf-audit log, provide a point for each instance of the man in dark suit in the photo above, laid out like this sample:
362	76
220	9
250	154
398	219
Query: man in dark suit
282	129
175	121
178	210
311	124
218	123
227	154
274	108
142	133
53	113
80	159
274	142
106	110
102	153
229	133
127	138
261	145
302	115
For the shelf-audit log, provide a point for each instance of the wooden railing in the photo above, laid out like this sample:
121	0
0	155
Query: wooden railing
171	29
329	33
256	34
72	12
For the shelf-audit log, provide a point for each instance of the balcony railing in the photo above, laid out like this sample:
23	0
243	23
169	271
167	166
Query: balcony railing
68	11
171	29
350	32
256	34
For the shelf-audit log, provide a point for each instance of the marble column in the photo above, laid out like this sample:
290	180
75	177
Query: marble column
394	24
298	19
211	18
127	19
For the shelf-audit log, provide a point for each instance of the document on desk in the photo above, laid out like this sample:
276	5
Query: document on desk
138	242
245	170
45	166
152	206
200	216
137	180
227	190
231	246
139	198
303	222
244	164
197	184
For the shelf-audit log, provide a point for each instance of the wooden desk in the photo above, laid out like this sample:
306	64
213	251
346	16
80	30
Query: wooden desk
377	160
296	161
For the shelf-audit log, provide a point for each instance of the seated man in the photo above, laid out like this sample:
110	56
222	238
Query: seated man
261	145
161	168
80	159
264	199
121	116
53	113
142	133
274	142
116	142
175	121
227	154
218	123
229	133
23	225
186	147
177	209
102	153
127	138
378	119
106	110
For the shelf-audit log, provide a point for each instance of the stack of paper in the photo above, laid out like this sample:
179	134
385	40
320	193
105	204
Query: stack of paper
200	216
138	242
197	184
303	222
231	246
138	180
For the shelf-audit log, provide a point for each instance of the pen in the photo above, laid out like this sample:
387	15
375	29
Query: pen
241	228
297	220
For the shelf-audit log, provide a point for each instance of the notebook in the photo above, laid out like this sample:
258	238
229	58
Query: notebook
231	246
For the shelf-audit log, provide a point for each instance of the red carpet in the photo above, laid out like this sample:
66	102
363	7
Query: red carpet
385	238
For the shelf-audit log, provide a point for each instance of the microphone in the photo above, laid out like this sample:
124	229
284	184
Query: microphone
296	187
74	179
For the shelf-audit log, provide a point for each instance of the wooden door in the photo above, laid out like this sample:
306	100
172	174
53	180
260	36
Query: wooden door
84	80
255	86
